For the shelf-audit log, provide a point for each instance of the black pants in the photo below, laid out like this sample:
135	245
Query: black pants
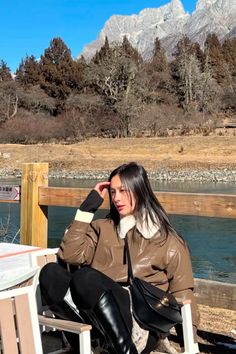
86	286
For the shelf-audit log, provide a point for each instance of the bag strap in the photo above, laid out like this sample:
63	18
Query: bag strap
130	270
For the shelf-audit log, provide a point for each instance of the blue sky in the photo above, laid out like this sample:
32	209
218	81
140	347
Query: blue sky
27	26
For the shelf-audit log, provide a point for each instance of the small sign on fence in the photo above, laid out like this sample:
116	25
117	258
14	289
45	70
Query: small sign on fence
11	193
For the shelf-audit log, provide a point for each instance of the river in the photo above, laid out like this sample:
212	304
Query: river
212	241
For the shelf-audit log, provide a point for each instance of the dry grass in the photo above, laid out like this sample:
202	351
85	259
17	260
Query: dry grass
217	320
106	154
217	331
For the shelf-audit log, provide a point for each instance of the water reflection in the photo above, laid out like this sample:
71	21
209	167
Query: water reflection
170	186
212	242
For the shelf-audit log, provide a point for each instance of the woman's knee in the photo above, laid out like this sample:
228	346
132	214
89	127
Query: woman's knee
54	282
86	287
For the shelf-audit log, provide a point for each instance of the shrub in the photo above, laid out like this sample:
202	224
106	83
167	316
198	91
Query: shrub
29	129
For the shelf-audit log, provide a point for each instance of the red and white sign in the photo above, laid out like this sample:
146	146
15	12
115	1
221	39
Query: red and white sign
9	192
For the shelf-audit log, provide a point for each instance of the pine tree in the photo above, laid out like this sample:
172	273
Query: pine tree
159	60
80	73
229	53
154	76
213	50
28	72
58	70
5	72
103	53
129	51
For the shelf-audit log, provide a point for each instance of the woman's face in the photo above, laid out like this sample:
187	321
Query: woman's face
123	200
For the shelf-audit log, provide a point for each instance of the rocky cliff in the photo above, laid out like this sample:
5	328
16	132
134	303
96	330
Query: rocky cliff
169	23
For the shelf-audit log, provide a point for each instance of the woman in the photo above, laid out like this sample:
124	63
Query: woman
99	288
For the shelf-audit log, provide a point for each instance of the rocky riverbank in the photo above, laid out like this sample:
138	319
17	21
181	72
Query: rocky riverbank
224	175
210	175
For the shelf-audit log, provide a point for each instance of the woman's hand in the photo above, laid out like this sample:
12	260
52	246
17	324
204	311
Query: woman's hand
95	197
102	188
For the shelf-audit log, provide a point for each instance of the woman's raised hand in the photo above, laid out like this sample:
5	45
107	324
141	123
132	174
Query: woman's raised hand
102	188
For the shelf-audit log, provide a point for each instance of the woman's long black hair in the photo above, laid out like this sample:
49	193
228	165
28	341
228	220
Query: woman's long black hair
134	177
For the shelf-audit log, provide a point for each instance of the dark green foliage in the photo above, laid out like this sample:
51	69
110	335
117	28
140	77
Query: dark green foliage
229	53
102	54
214	55
29	73
35	100
154	78
130	52
59	71
5	72
159	59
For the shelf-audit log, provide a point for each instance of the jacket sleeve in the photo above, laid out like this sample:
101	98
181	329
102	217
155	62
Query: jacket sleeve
181	282
80	239
179	269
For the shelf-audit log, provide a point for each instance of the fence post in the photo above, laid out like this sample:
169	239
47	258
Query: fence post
33	217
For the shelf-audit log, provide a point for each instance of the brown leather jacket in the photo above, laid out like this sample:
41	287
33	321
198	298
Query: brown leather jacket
164	263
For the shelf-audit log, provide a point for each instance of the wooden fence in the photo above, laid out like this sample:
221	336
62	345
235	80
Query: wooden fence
36	196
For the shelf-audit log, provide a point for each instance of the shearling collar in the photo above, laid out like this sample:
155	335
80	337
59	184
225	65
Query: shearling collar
147	230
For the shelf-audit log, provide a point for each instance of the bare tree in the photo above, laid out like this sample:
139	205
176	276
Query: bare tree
8	101
113	78
209	91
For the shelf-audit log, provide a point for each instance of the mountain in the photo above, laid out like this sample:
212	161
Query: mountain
169	23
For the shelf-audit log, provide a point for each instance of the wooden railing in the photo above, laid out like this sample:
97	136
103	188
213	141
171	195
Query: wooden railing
36	196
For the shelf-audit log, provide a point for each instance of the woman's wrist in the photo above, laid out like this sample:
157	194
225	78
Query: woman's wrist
92	202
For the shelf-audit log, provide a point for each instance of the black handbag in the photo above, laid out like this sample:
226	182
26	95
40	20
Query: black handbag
154	309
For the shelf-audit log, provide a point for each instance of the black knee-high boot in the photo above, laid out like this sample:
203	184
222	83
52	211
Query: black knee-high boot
63	311
106	314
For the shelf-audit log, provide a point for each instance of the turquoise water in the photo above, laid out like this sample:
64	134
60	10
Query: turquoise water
212	241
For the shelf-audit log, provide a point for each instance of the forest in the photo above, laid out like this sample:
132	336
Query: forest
118	94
